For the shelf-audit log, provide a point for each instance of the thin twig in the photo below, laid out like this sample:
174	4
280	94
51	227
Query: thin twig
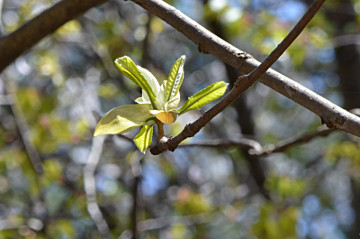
242	84
136	169
254	148
245	144
25	137
90	187
22	126
287	143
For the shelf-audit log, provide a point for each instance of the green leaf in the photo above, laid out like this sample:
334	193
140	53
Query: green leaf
175	78
128	68
203	97
144	137
123	119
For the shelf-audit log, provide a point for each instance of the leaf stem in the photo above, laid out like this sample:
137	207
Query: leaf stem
160	126
153	103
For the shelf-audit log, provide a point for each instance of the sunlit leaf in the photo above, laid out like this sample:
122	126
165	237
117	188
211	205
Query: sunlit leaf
203	97
128	68
155	86
144	137
175	79
173	103
123	119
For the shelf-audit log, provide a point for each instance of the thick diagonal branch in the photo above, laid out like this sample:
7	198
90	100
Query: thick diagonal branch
331	114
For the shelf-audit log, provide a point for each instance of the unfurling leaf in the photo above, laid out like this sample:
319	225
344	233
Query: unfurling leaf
128	68
144	137
175	79
203	97
123	119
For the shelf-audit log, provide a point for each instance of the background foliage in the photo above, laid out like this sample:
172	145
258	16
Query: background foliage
61	86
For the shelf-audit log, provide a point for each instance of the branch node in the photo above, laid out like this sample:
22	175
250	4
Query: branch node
161	146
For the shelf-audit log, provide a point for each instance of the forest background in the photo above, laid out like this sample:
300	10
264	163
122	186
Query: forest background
261	171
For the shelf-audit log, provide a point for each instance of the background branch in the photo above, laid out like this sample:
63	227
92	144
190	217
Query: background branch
287	143
243	143
90	187
255	148
24	132
136	169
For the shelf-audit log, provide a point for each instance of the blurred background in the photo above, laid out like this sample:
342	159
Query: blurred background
102	187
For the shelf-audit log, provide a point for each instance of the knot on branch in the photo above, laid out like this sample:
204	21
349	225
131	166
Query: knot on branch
160	147
334	123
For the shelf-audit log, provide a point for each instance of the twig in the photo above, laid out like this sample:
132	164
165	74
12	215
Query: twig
245	144
22	126
25	137
287	143
242	84
136	170
90	188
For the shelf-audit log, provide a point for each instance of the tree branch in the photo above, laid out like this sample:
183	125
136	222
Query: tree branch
136	169
90	187
331	114
254	148
246	144
287	143
242	84
11	101
16	43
